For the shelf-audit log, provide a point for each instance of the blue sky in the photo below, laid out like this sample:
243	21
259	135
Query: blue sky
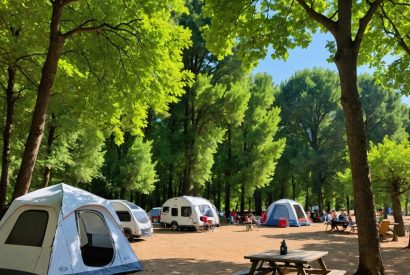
313	56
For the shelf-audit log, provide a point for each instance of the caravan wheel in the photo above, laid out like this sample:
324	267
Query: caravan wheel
174	226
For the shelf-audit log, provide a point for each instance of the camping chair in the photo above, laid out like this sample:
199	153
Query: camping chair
384	230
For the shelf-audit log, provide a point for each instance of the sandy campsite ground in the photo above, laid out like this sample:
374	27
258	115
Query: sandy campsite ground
221	251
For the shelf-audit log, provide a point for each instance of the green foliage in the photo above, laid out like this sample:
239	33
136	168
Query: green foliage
312	123
258	151
390	164
384	112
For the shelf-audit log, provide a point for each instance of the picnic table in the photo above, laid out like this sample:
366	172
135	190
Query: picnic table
294	260
337	226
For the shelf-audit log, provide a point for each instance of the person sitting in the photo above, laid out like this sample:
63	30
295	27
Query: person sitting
342	218
350	219
234	217
381	215
333	221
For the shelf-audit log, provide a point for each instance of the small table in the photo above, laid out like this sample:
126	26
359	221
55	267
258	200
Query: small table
298	260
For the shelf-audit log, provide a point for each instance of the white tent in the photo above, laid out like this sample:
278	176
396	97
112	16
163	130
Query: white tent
289	209
63	230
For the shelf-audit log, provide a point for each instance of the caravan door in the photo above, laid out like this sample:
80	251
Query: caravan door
26	238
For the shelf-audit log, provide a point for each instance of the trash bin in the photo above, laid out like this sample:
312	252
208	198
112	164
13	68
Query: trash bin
283	222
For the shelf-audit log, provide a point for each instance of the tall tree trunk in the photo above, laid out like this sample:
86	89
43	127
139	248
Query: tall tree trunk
8	127
170	181
269	198
218	195
407	202
258	201
347	203
370	261
185	184
242	205
50	140
293	181
228	173
395	199
307	197
49	71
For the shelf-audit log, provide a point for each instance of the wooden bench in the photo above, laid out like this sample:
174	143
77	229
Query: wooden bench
353	228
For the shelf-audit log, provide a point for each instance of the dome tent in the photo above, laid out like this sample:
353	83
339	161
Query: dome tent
71	231
289	209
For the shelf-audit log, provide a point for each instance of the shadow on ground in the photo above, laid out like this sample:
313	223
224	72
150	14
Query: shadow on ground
189	266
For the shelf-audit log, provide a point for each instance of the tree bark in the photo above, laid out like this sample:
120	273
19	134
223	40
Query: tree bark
228	174
50	140
258	201
8	127
395	199
370	260
293	187
242	206
49	70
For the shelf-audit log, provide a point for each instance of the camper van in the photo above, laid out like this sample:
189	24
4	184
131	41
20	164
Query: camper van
134	220
188	212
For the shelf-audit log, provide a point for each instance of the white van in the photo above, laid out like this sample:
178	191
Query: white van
186	212
134	220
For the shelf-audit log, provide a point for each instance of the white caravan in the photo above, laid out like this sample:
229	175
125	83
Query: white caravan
186	212
134	219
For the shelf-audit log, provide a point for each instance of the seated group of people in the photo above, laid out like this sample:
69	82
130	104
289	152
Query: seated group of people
342	219
235	218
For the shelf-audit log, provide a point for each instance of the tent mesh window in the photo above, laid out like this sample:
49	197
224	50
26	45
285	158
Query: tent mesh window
37	221
95	238
280	211
299	211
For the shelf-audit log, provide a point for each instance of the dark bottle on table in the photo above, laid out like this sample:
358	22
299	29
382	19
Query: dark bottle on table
283	248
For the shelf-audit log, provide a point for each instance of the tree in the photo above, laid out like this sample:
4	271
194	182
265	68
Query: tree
257	151
390	166
384	113
134	33
312	119
286	24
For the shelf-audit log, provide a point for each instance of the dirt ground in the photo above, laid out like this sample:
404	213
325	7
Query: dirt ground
221	251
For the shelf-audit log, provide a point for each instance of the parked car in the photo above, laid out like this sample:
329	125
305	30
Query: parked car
188	212
134	219
155	215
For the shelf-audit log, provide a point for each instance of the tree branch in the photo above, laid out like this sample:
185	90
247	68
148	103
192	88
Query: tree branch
364	21
318	17
396	33
98	28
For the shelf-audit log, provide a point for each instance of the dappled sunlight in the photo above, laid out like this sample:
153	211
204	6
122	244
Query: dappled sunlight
222	251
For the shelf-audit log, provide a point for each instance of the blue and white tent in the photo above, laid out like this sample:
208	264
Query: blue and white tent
63	230
289	209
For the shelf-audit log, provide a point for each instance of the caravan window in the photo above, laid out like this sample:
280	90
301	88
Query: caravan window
205	210
174	212
124	216
186	211
95	238
165	209
29	229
